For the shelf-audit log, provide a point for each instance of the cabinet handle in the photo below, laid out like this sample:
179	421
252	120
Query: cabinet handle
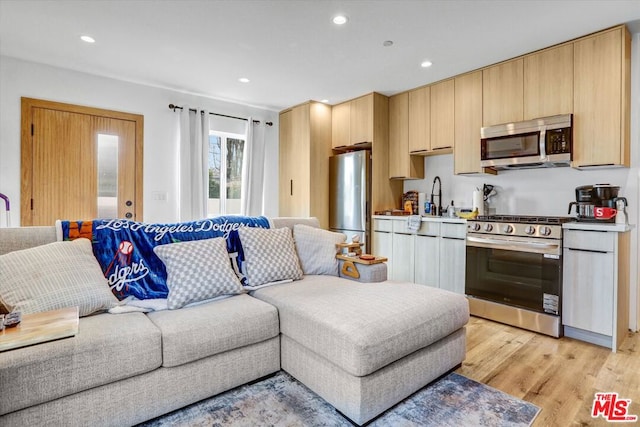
291	186
587	250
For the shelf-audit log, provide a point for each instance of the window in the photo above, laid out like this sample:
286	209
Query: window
226	153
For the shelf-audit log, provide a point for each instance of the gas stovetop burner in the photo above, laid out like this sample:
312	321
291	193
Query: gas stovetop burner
526	219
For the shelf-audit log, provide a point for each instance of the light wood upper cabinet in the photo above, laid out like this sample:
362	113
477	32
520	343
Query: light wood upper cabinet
401	164
305	148
548	82
502	93
601	102
442	115
420	119
361	119
341	125
468	121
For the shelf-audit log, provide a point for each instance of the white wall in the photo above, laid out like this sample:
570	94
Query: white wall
549	191
27	79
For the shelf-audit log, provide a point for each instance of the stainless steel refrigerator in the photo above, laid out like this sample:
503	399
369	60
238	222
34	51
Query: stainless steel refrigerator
350	195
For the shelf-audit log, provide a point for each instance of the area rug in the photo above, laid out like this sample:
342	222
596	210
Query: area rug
280	400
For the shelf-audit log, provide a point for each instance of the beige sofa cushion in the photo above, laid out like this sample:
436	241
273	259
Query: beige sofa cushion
107	348
362	327
193	333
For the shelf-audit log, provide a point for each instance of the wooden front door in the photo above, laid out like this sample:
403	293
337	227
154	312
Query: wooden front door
79	163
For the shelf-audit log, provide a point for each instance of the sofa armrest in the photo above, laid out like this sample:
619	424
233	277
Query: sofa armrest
365	273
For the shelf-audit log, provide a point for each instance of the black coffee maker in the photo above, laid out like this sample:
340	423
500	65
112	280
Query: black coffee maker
590	197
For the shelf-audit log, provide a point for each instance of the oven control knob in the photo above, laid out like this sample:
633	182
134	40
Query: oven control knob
545	231
475	226
507	229
529	229
488	227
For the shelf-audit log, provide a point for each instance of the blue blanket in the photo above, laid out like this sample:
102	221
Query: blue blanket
124	248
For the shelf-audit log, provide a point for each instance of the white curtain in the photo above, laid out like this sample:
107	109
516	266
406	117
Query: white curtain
194	168
252	202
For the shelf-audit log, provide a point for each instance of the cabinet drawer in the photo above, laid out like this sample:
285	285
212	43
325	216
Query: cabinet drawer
590	240
428	228
383	225
453	230
400	226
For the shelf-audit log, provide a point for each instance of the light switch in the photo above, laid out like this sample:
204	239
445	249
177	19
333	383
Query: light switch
160	196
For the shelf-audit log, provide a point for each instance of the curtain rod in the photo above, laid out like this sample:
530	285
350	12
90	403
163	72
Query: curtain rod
175	107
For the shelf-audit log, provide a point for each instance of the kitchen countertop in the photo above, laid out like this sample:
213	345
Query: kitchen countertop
424	218
594	226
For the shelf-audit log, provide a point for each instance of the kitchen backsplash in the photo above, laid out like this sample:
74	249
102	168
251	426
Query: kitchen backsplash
523	192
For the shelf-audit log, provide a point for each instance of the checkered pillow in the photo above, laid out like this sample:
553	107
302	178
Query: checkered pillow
269	256
197	270
317	249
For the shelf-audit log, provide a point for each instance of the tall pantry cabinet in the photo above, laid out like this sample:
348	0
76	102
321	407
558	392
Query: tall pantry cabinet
305	148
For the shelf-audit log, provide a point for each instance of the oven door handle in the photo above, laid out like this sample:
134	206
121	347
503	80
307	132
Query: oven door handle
514	244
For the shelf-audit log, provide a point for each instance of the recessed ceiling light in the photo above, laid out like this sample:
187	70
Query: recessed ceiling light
244	80
87	39
325	101
387	43
426	64
340	19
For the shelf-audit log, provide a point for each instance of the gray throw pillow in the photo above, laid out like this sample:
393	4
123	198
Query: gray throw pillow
197	270
317	250
54	276
269	256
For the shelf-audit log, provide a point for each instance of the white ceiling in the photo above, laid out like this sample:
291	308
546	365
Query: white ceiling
290	49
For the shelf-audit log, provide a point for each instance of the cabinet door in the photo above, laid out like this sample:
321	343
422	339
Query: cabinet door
587	290
419	120
382	246
452	264
427	260
599	99
285	177
502	93
467	122
300	155
401	164
548	82
361	119
442	115
402	267
340	125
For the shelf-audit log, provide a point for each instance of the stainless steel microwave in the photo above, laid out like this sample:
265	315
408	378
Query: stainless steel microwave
544	142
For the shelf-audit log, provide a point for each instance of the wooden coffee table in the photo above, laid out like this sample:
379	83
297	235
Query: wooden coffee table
41	327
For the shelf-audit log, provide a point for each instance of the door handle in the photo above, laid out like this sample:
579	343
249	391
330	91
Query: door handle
291	186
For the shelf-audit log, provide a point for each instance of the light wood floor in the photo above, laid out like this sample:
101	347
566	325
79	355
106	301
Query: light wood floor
560	376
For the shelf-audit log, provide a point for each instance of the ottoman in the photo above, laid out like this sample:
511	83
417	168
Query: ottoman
363	347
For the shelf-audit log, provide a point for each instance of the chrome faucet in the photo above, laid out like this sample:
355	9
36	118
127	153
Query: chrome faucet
438	210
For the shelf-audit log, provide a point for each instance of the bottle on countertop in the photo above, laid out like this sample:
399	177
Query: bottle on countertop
451	211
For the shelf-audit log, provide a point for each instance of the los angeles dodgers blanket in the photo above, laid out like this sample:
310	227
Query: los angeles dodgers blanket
124	248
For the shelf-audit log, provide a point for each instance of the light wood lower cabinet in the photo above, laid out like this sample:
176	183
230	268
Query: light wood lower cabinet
595	291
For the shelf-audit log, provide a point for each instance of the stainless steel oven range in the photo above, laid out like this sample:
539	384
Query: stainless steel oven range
514	270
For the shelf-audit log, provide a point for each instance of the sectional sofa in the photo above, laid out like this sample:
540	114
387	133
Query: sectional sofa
363	347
